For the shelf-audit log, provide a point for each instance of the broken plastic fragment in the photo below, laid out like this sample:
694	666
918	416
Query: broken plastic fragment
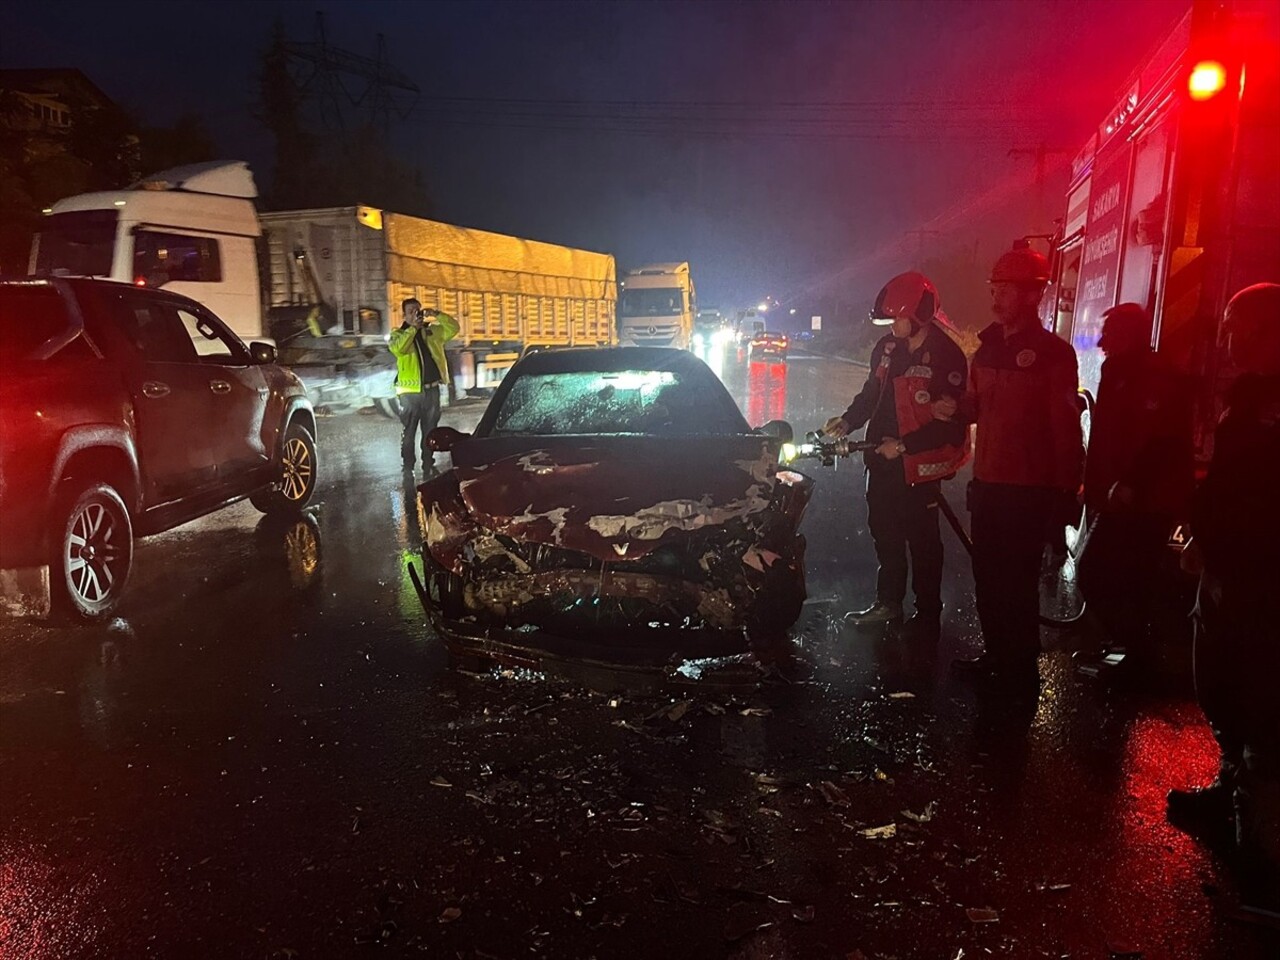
925	815
982	915
450	914
833	794
880	833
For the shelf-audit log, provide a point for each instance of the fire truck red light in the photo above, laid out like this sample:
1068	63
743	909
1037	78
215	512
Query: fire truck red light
140	282
1206	79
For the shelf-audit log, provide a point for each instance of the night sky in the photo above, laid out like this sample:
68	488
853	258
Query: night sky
788	149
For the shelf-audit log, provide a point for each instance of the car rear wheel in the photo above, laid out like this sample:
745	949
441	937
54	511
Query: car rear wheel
297	480
93	544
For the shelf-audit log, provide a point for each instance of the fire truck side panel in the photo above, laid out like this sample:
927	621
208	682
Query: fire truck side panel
1174	202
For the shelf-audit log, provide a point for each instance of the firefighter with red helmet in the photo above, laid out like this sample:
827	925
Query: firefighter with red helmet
1235	548
917	374
1027	466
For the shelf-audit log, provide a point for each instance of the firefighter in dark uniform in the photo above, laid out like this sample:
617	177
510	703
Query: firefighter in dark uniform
1138	477
1235	547
916	370
1027	467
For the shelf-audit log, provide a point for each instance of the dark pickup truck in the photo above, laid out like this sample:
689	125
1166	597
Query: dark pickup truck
125	411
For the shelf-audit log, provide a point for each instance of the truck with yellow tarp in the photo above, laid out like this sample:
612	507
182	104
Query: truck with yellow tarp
325	285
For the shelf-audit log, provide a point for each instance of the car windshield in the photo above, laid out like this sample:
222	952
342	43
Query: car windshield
663	302
78	244
654	402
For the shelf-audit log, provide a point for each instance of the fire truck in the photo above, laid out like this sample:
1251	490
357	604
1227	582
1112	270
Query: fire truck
1174	200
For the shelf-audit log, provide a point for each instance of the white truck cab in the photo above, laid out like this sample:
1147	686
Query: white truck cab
656	306
190	229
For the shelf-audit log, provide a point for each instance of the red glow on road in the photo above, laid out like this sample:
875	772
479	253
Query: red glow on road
766	392
1168	749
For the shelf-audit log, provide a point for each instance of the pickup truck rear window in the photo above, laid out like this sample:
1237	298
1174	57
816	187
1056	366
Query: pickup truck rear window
30	316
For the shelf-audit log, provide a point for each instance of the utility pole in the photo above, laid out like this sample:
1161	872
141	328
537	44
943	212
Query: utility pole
1040	154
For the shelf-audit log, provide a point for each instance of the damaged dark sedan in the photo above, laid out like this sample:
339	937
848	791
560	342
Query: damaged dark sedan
612	504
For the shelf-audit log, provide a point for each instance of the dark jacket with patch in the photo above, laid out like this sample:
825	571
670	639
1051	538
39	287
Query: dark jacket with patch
897	401
1022	395
1236	512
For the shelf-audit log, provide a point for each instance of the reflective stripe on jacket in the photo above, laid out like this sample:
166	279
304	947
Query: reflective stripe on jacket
935	448
402	344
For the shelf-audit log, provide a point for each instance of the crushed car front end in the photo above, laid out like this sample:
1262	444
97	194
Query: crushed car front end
620	549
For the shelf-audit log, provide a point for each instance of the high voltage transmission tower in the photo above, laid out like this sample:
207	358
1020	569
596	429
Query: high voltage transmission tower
342	81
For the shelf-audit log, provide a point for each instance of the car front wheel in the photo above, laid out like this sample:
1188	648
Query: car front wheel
297	478
93	542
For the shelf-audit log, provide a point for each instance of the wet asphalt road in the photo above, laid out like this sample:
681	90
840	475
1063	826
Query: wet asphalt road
267	755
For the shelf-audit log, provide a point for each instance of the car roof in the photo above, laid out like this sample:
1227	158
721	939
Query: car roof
611	359
105	283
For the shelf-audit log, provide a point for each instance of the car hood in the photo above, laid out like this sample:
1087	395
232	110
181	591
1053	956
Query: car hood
616	498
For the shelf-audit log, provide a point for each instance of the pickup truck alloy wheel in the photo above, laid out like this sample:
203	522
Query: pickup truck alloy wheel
297	464
95	552
297	474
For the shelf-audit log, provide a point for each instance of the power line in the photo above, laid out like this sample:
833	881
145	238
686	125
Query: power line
754	104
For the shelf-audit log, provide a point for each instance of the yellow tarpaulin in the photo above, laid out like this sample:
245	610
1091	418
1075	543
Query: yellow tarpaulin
431	254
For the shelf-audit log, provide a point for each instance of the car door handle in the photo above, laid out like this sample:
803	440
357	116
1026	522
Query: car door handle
155	389
219	386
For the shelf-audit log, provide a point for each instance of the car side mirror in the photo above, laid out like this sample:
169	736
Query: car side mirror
779	429
262	352
444	439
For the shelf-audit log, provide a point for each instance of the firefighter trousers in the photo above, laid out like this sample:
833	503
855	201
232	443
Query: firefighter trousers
1236	661
904	517
1119	572
1010	529
418	411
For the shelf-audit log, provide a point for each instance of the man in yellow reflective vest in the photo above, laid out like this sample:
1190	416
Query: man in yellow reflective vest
421	368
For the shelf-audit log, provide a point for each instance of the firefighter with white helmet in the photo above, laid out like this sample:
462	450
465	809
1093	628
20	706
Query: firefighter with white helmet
1027	466
917	374
1235	547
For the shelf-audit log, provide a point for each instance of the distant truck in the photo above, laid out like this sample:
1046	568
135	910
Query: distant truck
709	322
751	323
326	285
657	306
1174	201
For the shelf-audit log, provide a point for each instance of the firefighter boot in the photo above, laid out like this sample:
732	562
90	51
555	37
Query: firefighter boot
1207	810
878	614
